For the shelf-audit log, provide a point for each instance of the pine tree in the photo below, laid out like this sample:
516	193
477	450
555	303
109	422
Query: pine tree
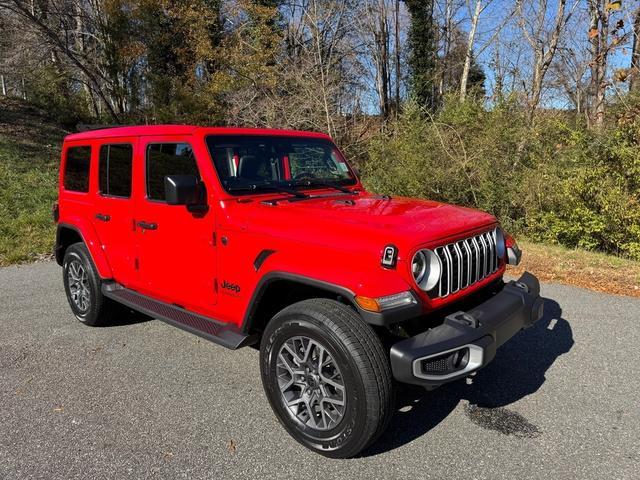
422	60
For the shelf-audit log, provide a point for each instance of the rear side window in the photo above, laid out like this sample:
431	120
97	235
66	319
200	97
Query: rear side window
165	159
115	170
76	169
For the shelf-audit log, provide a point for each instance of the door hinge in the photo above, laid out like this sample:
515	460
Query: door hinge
136	264
214	239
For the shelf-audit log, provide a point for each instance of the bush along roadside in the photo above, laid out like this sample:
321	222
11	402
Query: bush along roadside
555	182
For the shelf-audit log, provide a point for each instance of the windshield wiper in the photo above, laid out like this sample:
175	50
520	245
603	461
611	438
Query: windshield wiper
266	186
323	183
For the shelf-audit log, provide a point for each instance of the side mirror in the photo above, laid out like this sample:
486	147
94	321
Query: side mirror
182	190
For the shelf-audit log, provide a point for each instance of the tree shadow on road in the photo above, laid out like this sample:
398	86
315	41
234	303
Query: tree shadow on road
518	370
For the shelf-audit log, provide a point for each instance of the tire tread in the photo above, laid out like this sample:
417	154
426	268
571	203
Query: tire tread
367	352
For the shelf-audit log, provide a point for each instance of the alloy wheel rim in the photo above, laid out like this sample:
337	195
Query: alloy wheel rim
311	384
78	281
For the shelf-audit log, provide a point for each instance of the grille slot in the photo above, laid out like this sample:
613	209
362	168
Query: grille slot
466	262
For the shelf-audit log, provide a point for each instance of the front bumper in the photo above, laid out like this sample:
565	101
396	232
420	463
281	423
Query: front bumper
467	341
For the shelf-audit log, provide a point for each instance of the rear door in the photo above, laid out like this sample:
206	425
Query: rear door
113	217
177	251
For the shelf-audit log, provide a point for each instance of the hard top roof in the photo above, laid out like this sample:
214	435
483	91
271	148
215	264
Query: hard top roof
148	130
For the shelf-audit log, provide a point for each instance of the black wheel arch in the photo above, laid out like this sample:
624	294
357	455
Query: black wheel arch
277	290
66	235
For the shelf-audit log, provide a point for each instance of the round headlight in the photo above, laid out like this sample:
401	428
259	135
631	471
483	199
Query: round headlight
426	269
419	267
501	246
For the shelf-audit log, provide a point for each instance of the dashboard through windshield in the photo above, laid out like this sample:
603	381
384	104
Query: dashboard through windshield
247	163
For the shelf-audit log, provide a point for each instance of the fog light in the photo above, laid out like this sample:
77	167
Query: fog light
448	363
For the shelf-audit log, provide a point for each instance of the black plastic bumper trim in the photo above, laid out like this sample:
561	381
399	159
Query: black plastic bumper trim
498	319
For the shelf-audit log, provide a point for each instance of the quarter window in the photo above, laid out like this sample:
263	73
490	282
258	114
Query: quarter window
164	159
115	170
76	169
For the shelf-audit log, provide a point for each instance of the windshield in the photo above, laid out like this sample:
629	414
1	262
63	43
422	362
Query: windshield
246	162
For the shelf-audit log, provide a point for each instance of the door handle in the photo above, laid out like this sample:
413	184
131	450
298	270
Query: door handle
147	226
102	217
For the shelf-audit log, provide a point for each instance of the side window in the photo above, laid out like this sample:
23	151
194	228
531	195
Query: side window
76	169
168	159
115	170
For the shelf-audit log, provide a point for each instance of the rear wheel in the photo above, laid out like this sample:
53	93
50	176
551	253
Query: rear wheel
82	285
327	377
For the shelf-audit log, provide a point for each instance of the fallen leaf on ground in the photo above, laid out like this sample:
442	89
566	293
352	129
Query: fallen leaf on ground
231	446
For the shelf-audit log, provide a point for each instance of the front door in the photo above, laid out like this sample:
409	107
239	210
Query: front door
176	251
113	216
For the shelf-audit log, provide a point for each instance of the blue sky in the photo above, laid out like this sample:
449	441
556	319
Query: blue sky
513	45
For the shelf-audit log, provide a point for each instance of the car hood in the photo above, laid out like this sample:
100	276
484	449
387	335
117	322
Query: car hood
364	219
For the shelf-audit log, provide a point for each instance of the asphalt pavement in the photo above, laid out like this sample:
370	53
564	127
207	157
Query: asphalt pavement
145	400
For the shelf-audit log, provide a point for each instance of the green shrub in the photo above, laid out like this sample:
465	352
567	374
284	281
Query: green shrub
555	181
64	101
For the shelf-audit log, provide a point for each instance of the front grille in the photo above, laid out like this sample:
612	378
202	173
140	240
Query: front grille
465	262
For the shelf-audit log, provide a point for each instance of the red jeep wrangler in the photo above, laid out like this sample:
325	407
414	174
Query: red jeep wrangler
267	238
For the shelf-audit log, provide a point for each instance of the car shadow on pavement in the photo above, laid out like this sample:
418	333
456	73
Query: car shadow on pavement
126	316
518	370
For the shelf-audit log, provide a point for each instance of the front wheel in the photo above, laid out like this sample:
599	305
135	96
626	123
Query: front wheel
327	377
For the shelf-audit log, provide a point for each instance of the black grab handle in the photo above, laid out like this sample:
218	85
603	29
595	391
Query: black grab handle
147	226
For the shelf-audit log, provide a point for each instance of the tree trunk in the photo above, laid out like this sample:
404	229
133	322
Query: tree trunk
598	36
635	54
446	48
544	46
544	58
469	54
397	46
381	35
499	76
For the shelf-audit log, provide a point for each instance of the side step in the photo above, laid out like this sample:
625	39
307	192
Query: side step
223	334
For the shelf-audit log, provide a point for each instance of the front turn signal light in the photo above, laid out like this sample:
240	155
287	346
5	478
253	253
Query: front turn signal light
385	303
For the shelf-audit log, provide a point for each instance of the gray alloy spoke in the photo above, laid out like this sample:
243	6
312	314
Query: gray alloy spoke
78	281
294	402
293	352
310	383
333	383
333	401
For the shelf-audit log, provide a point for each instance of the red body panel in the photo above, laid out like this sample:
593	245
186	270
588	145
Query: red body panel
189	258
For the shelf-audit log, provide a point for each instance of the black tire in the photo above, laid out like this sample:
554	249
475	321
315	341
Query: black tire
363	366
98	310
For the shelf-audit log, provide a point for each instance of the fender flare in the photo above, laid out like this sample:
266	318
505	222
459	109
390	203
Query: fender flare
90	239
275	276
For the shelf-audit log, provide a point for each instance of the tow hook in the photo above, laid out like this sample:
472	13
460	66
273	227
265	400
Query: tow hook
465	319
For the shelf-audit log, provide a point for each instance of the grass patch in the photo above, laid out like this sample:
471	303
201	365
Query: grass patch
592	270
29	158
